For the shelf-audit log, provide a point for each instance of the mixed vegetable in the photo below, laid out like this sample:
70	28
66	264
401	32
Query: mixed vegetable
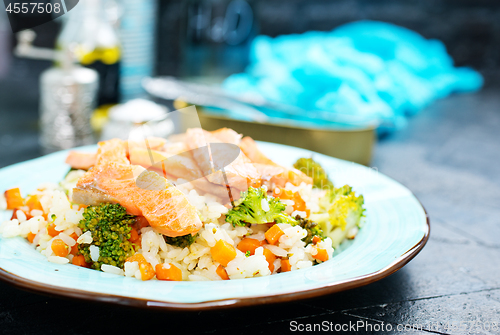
109	236
315	171
109	226
255	206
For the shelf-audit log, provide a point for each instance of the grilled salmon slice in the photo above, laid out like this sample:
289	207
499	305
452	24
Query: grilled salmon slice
269	170
141	192
238	173
81	160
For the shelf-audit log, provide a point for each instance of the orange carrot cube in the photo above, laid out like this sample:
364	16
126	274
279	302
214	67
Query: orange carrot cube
60	248
134	235
147	270
249	244
139	258
168	272
316	239
31	237
14	198
322	255
273	234
285	265
222	272
223	252
34	203
270	258
51	230
80	261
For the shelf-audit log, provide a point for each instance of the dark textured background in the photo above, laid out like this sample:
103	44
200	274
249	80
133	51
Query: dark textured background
470	29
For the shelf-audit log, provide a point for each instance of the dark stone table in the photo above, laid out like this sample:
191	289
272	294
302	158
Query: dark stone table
448	156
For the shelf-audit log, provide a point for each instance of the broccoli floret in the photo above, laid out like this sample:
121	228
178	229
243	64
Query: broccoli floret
249	209
110	226
344	208
315	171
181	241
313	229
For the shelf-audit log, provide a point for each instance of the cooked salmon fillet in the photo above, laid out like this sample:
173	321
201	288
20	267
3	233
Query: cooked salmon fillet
251	150
220	162
84	161
81	160
227	135
269	170
141	192
178	165
238	173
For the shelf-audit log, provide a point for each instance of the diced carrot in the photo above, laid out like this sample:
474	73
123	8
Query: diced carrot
138	243
222	272
51	230
134	236
34	203
299	203
249	244
14	198
223	252
255	183
322	255
136	258
316	239
270	258
60	248
31	237
82	206
80	261
147	271
273	234
282	193
168	272
74	249
285	265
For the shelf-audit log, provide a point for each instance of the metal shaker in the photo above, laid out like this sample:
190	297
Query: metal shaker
68	97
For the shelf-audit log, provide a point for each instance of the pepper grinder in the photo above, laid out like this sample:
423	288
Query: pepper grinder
68	97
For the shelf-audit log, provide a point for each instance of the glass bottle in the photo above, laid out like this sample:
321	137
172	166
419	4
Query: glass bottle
90	34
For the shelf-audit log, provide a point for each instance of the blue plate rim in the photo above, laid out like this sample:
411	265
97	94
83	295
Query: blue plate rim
351	283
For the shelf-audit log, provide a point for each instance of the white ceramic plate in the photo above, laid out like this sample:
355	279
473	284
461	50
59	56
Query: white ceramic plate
396	229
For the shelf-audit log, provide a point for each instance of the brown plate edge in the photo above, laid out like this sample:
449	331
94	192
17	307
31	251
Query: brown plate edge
50	290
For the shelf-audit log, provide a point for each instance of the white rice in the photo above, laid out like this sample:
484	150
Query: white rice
85	238
94	253
58	260
195	261
112	269
67	239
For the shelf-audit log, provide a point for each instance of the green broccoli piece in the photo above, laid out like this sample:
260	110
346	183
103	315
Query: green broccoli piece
313	229
344	209
181	241
110	226
315	171
249	209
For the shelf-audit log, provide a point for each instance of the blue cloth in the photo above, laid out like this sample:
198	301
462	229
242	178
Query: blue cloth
366	70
